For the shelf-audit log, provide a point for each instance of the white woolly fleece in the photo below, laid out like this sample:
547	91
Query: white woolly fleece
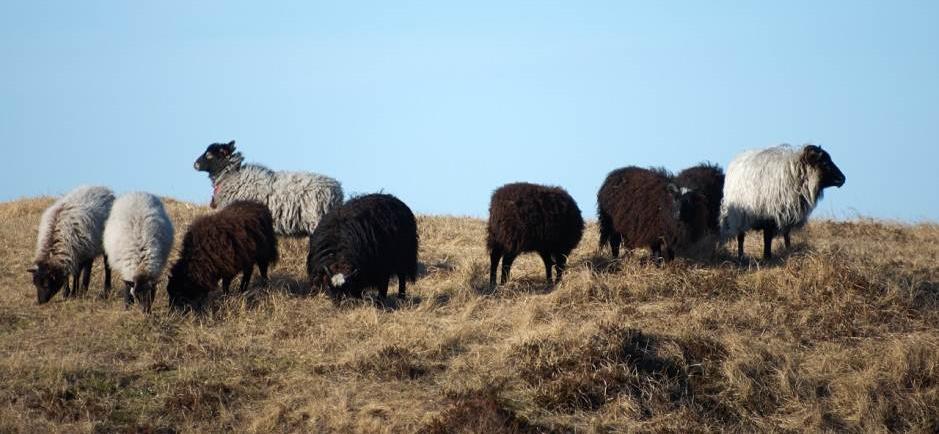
70	230
297	200
138	236
768	185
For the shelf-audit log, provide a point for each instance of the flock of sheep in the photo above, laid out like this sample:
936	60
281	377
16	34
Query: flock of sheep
362	243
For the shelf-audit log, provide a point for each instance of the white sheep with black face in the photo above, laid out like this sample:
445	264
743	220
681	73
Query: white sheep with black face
138	238
297	200
774	190
69	240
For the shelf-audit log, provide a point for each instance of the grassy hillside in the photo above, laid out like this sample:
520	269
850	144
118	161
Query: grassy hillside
842	334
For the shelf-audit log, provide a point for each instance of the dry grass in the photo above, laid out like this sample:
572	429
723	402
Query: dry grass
843	334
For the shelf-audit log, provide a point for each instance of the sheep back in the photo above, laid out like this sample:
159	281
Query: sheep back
526	217
297	200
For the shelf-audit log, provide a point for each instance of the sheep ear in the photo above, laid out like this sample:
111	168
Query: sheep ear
32	270
231	145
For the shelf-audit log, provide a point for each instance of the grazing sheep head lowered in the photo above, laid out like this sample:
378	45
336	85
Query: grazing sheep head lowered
815	157
215	157
48	281
143	290
333	274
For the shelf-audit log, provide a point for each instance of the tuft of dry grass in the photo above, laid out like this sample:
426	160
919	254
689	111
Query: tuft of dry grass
841	333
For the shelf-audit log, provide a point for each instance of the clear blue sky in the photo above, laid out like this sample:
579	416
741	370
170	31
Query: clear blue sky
441	102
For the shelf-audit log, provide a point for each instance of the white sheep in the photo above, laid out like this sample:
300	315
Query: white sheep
69	240
774	189
297	200
138	238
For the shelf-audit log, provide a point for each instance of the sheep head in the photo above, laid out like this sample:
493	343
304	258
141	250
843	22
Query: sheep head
215	157
817	158
48	281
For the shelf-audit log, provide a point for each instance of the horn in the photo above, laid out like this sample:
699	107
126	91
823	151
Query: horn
32	269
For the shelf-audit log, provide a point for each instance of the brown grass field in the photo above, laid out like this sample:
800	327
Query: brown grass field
840	334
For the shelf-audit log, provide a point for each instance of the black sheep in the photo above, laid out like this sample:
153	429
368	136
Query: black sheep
361	244
218	247
645	208
707	179
527	217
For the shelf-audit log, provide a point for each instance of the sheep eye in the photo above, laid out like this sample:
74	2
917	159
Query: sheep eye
208	156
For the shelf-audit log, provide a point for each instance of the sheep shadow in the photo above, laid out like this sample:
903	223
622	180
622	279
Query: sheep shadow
781	256
520	285
389	303
285	284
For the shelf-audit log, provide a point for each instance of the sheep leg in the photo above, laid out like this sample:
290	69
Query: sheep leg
226	284
107	274
507	261
262	269
383	287
246	278
561	265
128	299
548	264
786	238
402	285
86	277
494	257
615	240
76	277
740	237
768	234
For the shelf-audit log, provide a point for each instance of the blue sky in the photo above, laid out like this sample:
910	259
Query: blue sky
442	102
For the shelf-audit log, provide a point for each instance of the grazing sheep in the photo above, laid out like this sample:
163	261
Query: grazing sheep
527	217
138	237
69	240
774	189
362	244
645	208
707	179
219	246
297	200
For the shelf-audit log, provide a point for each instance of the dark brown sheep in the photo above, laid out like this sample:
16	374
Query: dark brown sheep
645	208
527	217
361	244
707	179
218	247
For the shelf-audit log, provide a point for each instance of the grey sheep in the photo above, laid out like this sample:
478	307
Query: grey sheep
69	240
297	200
774	189
138	238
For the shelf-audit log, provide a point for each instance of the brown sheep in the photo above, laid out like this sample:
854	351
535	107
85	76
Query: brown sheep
645	208
219	246
527	217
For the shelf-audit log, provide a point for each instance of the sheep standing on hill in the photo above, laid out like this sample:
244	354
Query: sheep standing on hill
138	237
297	200
645	208
218	247
707	179
362	244
69	240
774	189
527	217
